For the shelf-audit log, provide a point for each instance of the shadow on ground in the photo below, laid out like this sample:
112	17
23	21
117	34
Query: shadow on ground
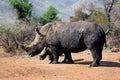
103	63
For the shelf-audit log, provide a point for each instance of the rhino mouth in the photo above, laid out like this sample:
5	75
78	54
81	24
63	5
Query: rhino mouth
34	52
31	55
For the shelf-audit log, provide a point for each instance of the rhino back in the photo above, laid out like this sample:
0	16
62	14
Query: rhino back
68	34
76	35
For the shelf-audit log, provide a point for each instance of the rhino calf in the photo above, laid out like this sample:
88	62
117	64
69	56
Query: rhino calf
46	53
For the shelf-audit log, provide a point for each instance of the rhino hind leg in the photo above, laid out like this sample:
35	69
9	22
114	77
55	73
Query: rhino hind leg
97	56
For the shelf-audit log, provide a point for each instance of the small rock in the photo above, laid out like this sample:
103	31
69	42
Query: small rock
88	53
114	49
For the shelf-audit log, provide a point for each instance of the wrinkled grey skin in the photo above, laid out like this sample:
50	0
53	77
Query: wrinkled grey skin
74	37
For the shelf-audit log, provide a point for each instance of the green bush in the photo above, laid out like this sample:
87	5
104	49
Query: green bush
23	8
49	16
118	3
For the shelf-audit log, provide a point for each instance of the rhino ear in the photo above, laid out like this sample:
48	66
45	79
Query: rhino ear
38	32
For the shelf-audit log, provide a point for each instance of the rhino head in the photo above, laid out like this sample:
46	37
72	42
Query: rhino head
36	46
39	42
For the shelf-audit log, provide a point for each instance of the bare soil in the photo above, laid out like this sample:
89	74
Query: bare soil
26	68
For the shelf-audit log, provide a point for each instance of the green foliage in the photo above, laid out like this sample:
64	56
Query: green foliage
118	3
23	8
99	18
49	16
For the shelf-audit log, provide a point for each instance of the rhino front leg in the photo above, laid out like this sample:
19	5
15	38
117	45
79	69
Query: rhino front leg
53	51
68	58
45	54
42	57
51	58
55	56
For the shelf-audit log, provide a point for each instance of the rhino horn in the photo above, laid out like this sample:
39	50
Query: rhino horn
24	47
21	45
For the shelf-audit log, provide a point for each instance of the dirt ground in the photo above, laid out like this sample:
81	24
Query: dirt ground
26	68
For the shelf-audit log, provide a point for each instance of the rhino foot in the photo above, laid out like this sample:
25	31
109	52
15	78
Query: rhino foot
54	62
68	61
94	64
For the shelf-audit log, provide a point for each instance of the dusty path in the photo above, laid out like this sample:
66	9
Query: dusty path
25	68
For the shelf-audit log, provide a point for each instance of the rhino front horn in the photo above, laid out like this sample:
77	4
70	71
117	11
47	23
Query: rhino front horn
21	45
24	47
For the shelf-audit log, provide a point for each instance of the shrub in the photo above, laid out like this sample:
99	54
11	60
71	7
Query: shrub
113	41
22	31
49	16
